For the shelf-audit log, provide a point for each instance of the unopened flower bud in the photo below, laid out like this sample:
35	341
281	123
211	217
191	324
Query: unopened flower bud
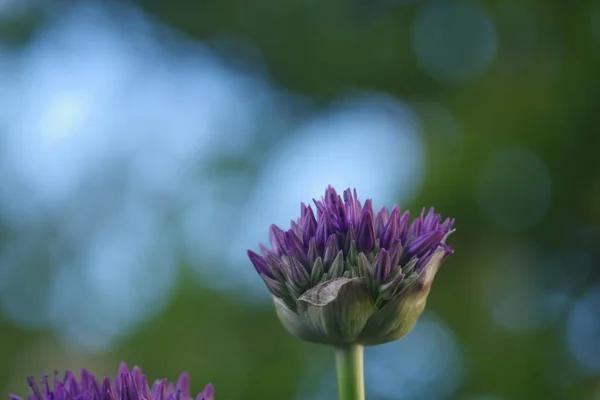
348	276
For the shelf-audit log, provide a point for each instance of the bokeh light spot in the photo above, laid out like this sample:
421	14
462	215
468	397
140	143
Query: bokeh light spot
445	140
525	310
513	188
426	364
583	330
454	41
106	132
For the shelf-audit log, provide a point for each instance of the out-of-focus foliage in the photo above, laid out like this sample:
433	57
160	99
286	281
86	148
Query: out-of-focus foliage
145	145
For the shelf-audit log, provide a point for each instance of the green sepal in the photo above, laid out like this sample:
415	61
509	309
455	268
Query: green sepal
337	266
317	272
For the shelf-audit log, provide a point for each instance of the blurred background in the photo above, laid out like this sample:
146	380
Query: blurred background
144	146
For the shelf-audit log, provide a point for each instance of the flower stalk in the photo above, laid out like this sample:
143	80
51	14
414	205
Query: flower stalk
350	373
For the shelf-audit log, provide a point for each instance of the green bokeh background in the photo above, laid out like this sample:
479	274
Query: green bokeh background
543	96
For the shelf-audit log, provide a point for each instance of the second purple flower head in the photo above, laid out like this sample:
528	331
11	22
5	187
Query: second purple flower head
128	385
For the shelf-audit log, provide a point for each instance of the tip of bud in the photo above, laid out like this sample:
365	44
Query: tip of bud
260	263
365	241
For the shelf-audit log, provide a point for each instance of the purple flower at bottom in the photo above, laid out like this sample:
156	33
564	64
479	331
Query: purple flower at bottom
348	275
128	385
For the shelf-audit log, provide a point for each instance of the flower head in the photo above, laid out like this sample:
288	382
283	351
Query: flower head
350	275
128	385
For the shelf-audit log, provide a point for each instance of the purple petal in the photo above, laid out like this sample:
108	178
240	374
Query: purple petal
171	388
366	230
331	250
309	225
95	389
391	230
330	194
340	212
160	390
431	221
381	220
423	244
324	229
207	394
35	391
403	228
321	208
131	387
183	384
60	393
260	263
424	260
296	228
447	225
46	385
382	266
107	391
71	385
313	252
294	246
395	251
264	250
352	206
275	287
303	209
275	267
276	236
415	228
123	369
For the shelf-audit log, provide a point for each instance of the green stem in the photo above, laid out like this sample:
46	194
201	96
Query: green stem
350	375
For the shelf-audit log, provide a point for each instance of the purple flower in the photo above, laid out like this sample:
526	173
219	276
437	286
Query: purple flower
344	274
128	385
